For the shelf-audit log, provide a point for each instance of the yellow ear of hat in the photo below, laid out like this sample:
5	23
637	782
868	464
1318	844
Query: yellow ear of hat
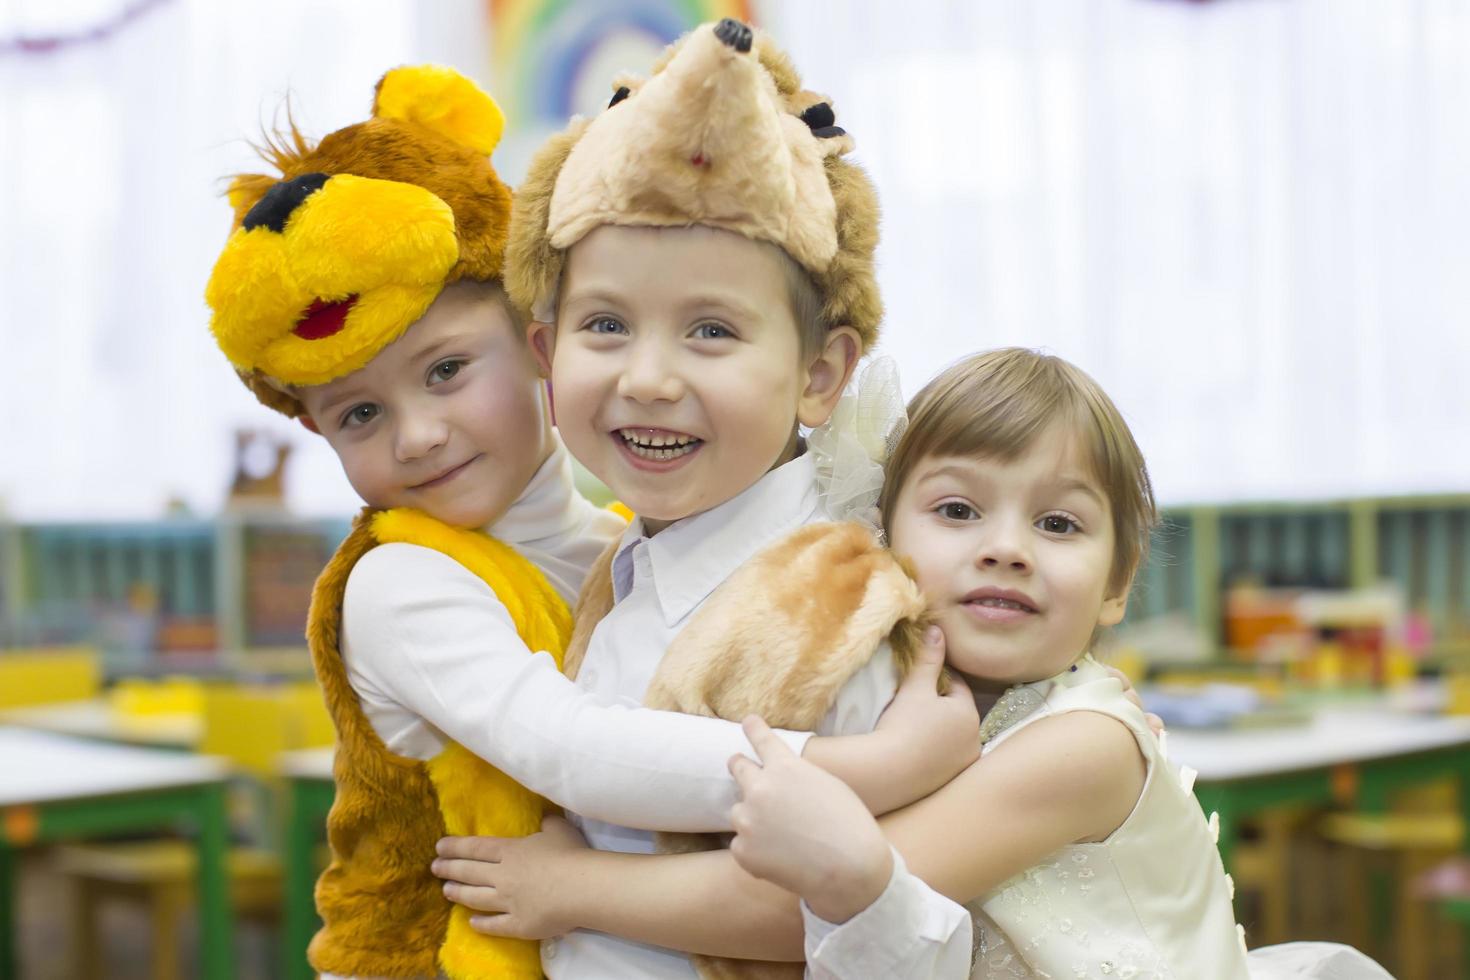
443	100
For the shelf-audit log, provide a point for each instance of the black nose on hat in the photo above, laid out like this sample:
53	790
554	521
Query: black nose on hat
278	203
734	33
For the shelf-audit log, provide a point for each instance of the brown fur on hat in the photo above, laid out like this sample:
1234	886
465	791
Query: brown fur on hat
844	276
385	213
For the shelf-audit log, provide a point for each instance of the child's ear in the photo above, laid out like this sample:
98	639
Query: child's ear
1115	607
542	338
308	423
828	374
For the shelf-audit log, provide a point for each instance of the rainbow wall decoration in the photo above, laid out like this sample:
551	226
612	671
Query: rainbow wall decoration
550	57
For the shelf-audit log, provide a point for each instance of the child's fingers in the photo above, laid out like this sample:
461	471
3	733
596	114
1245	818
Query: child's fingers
952	687
469	848
466	871
767	744
477	897
745	770
499	925
928	662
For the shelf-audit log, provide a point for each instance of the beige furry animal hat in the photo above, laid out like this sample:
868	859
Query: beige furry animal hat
721	134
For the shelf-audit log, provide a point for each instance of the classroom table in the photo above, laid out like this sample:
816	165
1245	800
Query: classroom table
54	788
310	790
1357	757
98	718
1353	757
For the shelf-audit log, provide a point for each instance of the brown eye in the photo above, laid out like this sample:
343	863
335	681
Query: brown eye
956	511
1057	524
360	414
444	371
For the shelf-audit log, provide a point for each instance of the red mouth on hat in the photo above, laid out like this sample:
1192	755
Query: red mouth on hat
322	319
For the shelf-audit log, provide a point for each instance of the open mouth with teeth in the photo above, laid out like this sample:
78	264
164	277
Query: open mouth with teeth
995	602
657	445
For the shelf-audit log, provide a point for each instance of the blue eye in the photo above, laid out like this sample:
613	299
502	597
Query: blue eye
362	414
1058	524
953	510
445	370
713	331
606	325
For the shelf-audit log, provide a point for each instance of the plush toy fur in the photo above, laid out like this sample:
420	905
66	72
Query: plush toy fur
720	137
779	638
411	203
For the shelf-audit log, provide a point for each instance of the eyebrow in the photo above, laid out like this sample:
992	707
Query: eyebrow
439	346
592	294
733	305
1072	484
333	403
954	470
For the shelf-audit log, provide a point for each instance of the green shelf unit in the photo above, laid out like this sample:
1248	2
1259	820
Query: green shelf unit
1421	544
238	582
70	564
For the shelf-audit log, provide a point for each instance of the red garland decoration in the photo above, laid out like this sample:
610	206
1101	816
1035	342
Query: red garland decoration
53	43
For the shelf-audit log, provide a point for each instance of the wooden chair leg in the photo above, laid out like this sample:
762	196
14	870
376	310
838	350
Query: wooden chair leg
86	931
166	912
1356	867
1276	830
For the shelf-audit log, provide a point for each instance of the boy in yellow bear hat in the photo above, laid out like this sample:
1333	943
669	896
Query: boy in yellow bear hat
698	259
360	293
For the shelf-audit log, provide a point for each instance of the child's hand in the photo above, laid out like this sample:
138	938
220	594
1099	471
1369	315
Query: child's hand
1154	721
801	828
939	733
513	878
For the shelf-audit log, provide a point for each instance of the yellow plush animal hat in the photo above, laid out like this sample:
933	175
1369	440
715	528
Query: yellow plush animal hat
334	258
721	134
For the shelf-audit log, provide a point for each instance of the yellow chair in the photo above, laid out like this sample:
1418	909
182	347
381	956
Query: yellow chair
1424	829
251	726
44	676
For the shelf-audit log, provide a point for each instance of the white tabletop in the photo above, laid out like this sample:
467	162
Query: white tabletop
308	763
98	718
1333	737
38	767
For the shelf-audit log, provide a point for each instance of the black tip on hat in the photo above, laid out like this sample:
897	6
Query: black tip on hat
734	33
276	206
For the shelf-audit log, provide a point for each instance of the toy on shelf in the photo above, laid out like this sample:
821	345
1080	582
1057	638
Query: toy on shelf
260	469
1327	638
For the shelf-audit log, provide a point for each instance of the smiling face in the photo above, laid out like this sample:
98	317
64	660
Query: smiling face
677	366
1013	555
447	419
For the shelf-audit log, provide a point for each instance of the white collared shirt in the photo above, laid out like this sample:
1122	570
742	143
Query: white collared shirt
434	655
658	583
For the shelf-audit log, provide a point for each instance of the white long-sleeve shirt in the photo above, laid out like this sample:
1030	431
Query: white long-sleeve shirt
910	931
658	583
434	655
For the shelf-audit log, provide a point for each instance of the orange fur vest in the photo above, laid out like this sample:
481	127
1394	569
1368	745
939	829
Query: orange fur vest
384	914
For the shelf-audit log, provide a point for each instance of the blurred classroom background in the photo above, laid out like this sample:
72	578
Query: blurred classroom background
1247	218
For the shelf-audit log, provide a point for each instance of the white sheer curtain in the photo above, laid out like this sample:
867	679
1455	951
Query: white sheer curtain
1250	219
113	397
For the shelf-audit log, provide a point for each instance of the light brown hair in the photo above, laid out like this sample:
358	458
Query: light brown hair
996	403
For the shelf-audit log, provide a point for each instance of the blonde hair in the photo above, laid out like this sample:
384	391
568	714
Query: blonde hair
995	404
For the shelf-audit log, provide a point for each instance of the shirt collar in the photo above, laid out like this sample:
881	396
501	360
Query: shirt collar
547	507
691	557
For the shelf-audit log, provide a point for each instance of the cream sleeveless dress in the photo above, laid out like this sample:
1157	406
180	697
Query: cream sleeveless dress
1152	900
